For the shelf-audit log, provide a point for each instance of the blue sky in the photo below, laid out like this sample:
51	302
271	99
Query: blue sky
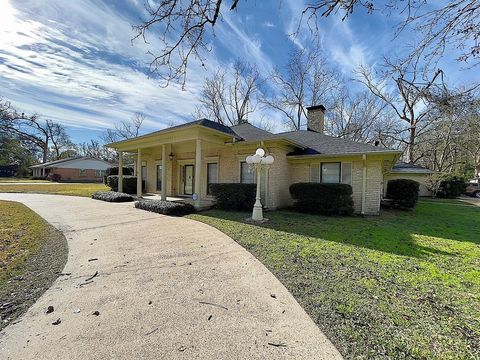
73	61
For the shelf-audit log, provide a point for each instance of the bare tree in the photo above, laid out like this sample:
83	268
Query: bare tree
361	117
28	128
454	23
186	26
404	89
60	140
306	81
229	99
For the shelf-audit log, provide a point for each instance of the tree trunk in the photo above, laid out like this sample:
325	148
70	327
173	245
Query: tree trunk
45	151
411	145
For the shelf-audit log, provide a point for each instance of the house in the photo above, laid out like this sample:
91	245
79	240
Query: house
78	169
402	170
183	160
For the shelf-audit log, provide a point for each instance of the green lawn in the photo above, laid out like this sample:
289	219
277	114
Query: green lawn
76	189
403	285
22	233
12	179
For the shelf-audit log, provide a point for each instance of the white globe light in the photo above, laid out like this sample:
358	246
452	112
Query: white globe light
260	152
269	160
249	159
256	159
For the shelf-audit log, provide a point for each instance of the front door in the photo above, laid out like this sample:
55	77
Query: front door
188	179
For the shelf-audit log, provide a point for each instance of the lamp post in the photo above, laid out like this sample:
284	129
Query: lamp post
258	161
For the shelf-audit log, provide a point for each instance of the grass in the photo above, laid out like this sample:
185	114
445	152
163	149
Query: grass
22	233
76	189
11	179
403	285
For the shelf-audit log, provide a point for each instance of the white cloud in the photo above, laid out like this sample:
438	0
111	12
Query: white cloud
83	71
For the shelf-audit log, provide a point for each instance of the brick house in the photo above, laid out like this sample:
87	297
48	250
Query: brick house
183	160
76	169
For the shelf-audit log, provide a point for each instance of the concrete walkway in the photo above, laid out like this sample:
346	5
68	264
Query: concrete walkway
166	288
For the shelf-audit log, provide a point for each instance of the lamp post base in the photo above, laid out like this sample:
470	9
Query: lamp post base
257	214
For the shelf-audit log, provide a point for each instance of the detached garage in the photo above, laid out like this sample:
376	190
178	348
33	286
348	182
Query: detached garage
78	169
402	170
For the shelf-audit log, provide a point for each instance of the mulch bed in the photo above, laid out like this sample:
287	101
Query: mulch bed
38	273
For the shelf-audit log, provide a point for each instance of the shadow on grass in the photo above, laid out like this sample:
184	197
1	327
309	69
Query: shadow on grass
394	232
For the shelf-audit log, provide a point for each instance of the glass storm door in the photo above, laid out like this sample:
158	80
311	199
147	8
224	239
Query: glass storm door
188	179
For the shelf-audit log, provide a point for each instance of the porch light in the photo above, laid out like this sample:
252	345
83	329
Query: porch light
171	156
259	162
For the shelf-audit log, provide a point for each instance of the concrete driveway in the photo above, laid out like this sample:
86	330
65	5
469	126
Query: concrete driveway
163	287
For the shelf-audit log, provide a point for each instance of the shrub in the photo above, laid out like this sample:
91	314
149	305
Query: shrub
234	196
56	177
114	171
38	178
326	199
403	193
129	183
112	196
450	186
165	207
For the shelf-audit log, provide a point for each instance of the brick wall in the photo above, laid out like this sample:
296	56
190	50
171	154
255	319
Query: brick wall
74	175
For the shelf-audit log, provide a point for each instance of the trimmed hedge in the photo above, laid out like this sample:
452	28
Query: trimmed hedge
403	193
451	186
129	183
234	196
165	207
114	171
325	199
56	177
112	196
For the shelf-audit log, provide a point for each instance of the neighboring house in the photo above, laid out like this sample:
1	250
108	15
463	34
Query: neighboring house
78	169
8	170
402	170
182	160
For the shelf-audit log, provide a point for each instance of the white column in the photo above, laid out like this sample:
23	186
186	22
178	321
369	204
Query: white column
198	169
164	172
43	171
120	171
364	184
139	173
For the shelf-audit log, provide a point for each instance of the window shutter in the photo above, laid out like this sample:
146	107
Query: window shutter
347	173
315	173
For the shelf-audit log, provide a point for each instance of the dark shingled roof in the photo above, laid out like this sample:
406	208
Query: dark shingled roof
206	123
313	143
249	132
316	143
404	167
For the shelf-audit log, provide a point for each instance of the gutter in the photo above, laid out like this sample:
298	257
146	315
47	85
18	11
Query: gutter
362	153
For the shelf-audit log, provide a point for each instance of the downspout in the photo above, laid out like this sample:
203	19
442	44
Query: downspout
364	183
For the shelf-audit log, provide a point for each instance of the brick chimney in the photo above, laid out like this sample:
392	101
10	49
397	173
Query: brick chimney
315	118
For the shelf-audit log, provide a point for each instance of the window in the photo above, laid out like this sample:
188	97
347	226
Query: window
83	172
144	172
347	173
331	172
247	176
212	175
99	173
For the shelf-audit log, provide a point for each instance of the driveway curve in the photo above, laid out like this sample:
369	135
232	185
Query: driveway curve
139	285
